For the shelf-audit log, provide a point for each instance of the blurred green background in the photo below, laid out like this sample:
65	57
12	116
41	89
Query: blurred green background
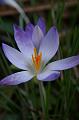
22	102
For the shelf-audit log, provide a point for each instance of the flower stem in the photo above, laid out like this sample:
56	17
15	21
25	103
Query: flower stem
43	98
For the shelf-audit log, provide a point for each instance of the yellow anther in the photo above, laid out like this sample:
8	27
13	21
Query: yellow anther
36	59
35	52
40	55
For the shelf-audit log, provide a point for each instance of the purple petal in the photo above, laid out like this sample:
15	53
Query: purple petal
15	57
37	36
49	45
29	28
64	63
24	42
48	75
16	78
41	24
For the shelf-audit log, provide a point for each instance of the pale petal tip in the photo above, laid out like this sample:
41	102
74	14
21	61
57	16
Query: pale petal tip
54	28
54	31
3	45
37	27
41	24
15	27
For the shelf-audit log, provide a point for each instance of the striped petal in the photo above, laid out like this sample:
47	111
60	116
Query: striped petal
29	28
63	64
15	57
48	75
37	36
24	42
17	78
41	24
49	45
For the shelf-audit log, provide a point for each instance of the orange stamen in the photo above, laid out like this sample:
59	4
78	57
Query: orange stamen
36	59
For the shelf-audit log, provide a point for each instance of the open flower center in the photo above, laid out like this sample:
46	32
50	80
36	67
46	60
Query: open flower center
36	59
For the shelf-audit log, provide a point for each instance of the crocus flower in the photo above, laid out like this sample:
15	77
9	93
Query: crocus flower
36	48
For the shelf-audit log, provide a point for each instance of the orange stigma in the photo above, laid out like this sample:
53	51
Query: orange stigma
36	59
